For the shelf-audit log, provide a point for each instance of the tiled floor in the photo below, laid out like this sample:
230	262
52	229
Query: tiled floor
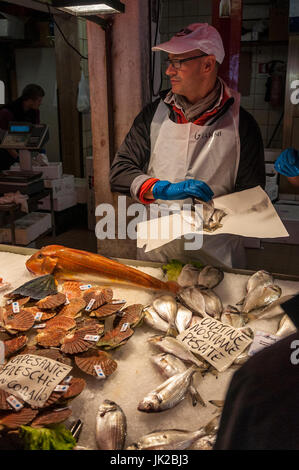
273	257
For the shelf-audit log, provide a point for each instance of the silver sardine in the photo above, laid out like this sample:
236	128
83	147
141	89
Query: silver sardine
111	426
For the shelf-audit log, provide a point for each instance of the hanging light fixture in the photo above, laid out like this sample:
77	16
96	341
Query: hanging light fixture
89	7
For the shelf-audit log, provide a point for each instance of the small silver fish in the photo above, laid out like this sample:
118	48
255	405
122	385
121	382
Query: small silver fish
170	365
188	276
192	298
183	318
166	307
175	347
154	320
111	426
260	297
260	278
286	327
210	277
168	439
169	394
204	443
232	316
213	304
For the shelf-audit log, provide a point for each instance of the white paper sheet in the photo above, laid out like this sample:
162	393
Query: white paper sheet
250	213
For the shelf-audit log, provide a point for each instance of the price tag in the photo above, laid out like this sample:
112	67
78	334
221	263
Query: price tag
89	306
2	352
124	327
68	379
116	302
99	372
66	301
61	388
38	316
15	307
14	402
85	287
62	409
41	325
91	338
260	341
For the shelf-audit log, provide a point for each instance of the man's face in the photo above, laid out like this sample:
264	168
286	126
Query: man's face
186	80
35	104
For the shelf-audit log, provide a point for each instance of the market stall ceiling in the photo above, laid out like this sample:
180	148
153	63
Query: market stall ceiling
89	7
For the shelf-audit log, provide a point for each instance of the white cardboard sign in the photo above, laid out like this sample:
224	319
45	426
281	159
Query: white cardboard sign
32	378
217	343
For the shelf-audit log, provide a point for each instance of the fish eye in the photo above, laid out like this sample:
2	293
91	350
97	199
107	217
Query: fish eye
40	256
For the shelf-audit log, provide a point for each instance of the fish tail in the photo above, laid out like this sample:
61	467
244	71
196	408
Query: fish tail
173	286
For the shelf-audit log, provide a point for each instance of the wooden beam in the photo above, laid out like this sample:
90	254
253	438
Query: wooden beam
68	76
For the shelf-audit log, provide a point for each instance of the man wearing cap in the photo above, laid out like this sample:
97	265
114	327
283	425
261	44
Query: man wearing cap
194	141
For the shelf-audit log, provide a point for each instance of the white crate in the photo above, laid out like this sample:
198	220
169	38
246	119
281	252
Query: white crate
60	203
60	186
27	228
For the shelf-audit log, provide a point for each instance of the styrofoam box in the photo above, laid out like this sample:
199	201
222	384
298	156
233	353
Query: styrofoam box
272	154
60	203
27	228
63	185
81	190
51	171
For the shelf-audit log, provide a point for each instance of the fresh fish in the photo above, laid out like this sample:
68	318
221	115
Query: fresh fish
211	216
168	439
232	316
170	365
210	277
260	297
188	276
213	304
204	443
166	307
242	358
111	426
175	347
286	327
169	394
183	318
70	264
192	298
154	320
260	278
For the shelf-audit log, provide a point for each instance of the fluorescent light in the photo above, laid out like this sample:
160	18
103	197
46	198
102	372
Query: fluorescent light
87	7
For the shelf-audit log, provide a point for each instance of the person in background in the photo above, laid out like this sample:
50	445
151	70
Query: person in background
193	141
287	164
261	408
23	109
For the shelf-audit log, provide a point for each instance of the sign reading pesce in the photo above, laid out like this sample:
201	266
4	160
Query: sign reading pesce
217	343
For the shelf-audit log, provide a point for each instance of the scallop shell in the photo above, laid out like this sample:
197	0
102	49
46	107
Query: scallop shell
53	398
18	418
52	301
107	310
87	361
61	322
51	417
36	288
74	343
4	405
115	338
76	386
45	315
100	297
133	314
22	301
22	321
14	345
50	338
73	309
72	289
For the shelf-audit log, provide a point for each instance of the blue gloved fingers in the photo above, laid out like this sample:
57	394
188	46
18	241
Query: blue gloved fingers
287	163
199	189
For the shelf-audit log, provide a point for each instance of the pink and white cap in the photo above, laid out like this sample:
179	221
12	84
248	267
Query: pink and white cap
195	36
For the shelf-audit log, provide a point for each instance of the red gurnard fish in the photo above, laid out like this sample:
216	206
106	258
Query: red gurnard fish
70	264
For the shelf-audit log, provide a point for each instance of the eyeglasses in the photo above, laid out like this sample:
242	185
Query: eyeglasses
177	63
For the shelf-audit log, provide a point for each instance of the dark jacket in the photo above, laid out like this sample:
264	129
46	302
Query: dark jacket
132	158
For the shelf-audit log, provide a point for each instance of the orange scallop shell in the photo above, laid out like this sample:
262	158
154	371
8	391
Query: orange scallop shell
18	418
4	405
45	315
61	322
72	289
50	338
52	301
13	345
51	417
74	343
101	296
132	314
76	386
107	310
114	338
22	321
88	360
73	309
22	301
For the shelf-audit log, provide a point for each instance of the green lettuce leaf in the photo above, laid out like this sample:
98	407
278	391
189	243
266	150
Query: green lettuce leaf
55	437
175	266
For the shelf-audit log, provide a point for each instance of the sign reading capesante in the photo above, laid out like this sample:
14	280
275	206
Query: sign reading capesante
217	343
32	378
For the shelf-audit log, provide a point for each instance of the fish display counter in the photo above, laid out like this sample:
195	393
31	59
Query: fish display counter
145	378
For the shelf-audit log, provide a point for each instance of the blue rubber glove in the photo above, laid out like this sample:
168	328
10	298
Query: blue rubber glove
287	163
189	188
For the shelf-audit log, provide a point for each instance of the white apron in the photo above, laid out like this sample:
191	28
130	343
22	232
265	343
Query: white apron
207	153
